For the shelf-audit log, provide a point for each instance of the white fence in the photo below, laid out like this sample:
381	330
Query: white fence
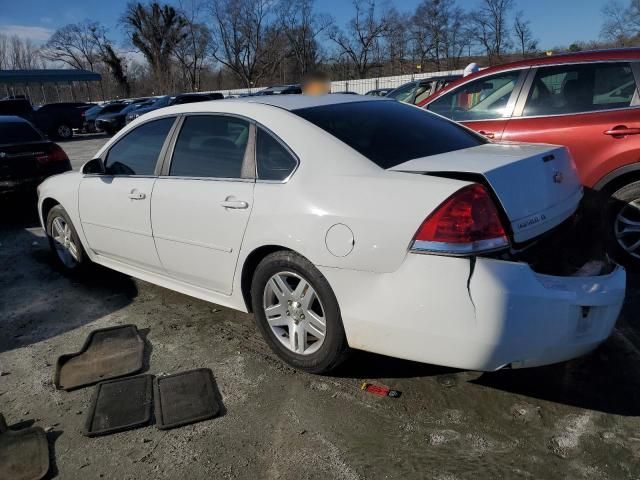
358	86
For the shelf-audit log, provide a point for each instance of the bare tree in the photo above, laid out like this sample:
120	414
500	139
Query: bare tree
396	40
192	53
23	54
524	36
75	45
4	52
303	29
440	32
491	28
249	38
361	41
621	23
155	30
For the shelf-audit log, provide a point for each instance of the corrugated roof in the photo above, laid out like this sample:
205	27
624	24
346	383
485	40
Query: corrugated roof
48	76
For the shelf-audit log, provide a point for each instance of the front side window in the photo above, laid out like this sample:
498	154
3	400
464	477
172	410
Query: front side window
483	99
390	133
137	152
567	89
210	146
273	159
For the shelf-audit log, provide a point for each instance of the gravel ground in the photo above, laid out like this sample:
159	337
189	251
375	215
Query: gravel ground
579	419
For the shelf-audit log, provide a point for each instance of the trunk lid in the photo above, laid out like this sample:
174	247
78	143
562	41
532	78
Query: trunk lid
19	161
537	185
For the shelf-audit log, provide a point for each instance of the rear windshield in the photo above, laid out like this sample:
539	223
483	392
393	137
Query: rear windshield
390	133
18	132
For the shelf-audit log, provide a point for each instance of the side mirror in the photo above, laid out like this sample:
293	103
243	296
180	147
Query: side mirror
94	167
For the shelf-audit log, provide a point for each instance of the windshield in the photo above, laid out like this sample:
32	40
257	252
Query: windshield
161	102
390	133
134	106
18	132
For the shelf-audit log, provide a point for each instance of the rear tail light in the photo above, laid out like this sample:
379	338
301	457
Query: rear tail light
56	154
466	223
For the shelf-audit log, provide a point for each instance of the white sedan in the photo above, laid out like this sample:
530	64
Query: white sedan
346	222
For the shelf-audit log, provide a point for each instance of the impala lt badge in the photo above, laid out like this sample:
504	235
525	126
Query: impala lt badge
558	177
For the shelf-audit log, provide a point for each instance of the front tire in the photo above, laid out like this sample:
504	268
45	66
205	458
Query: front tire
64	241
623	225
297	313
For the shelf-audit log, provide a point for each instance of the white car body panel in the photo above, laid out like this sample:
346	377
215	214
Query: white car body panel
478	314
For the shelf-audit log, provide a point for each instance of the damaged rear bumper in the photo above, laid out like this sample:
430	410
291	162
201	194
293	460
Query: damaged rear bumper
476	314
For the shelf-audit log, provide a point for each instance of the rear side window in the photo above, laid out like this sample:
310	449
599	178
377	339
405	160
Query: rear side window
567	89
273	159
210	146
482	99
18	132
137	153
390	133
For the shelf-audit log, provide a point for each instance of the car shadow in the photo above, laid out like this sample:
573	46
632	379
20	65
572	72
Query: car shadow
37	300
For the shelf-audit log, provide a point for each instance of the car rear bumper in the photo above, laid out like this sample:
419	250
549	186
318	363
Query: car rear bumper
481	314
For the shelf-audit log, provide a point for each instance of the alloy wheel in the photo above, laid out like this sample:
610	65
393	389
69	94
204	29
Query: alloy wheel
64	131
627	228
66	249
294	313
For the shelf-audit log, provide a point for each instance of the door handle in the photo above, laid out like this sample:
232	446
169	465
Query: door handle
490	135
622	131
136	195
237	204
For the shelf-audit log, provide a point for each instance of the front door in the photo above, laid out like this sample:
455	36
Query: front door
115	208
202	202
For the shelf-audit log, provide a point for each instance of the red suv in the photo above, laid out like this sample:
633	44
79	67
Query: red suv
587	101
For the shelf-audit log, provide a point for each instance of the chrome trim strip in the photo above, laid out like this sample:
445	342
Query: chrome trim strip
445	248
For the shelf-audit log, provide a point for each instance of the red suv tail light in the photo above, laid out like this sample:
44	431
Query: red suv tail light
466	223
56	154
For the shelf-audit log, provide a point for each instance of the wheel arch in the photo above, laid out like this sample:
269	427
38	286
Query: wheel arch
618	178
47	204
249	267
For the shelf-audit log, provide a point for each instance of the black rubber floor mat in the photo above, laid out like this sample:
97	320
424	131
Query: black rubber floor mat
185	398
24	454
107	353
119	405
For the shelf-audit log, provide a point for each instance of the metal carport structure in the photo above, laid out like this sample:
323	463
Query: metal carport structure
12	79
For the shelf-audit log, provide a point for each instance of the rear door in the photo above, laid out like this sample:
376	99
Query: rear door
484	104
202	202
592	108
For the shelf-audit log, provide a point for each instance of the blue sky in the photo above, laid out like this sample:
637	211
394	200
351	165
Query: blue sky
554	22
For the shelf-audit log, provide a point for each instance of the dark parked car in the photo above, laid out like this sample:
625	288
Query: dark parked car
26	158
281	90
112	122
89	116
168	100
419	90
56	120
379	92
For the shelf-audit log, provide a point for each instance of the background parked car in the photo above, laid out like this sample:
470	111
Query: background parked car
110	123
379	92
281	90
89	116
169	100
419	90
26	158
56	120
587	101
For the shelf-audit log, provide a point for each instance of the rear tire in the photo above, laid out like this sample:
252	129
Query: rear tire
64	241
304	327
63	131
623	225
